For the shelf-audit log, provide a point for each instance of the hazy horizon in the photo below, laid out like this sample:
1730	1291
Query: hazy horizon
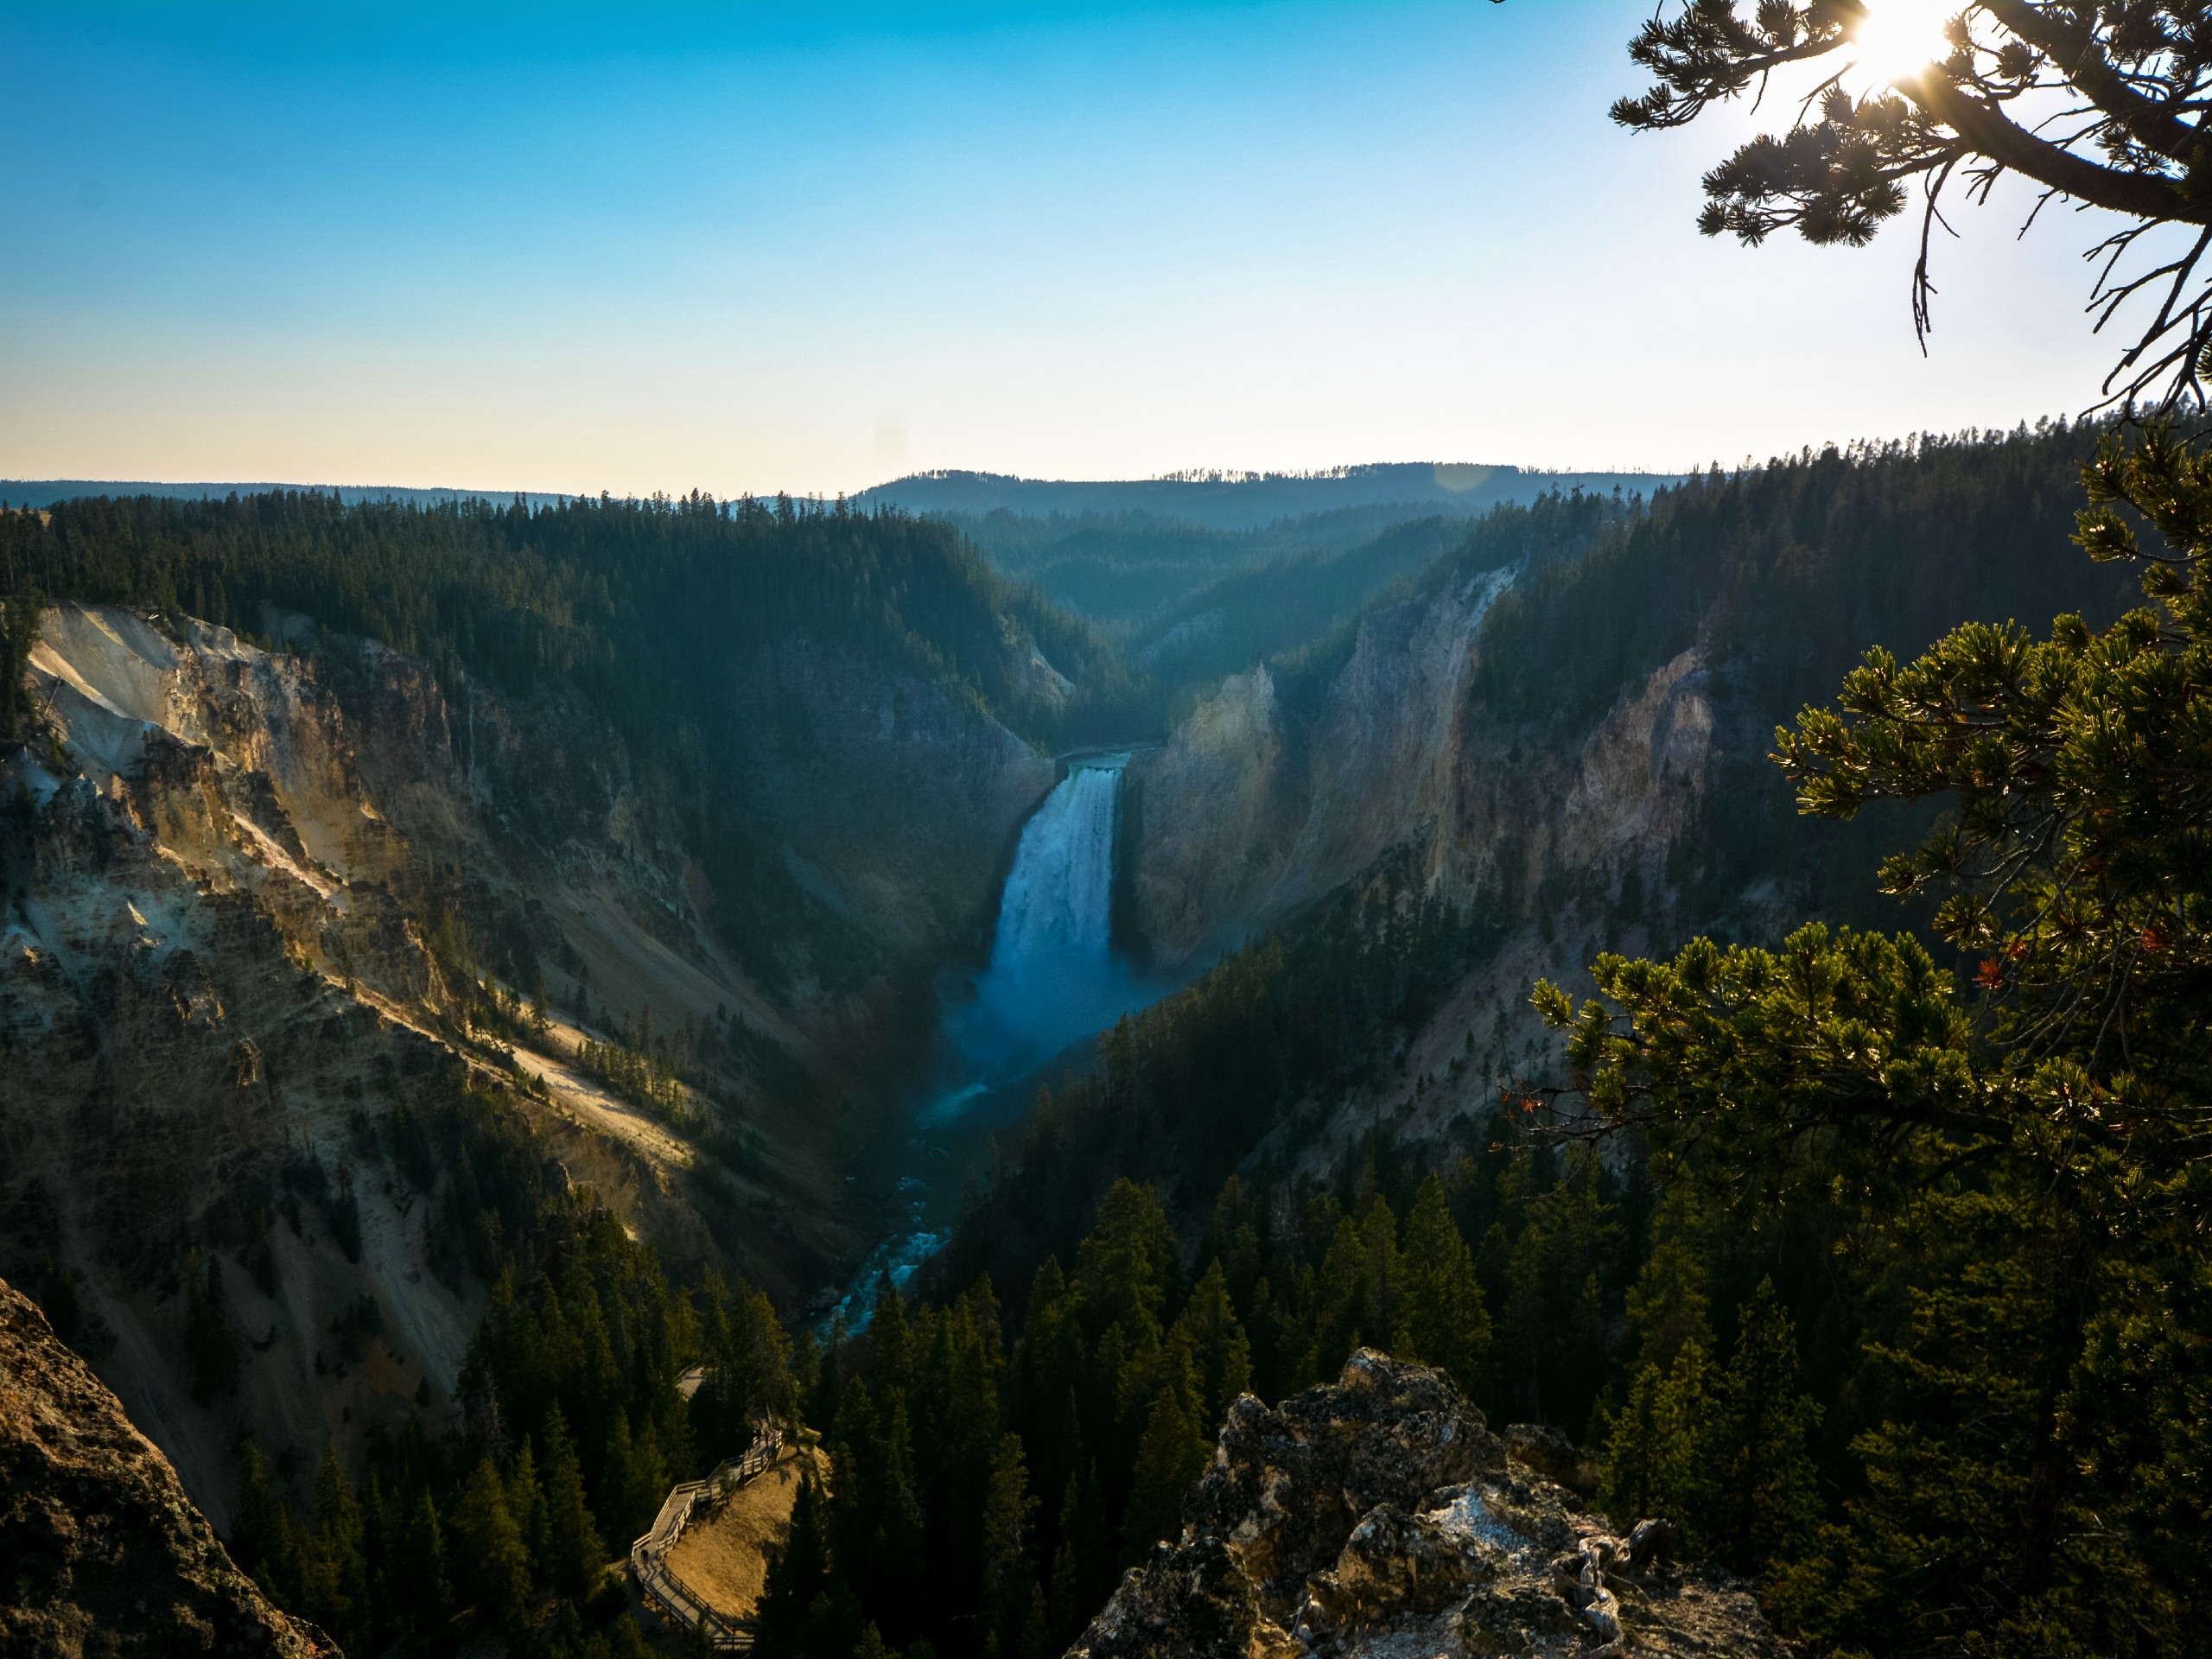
497	491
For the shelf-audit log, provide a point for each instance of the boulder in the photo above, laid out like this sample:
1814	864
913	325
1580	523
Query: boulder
1379	1516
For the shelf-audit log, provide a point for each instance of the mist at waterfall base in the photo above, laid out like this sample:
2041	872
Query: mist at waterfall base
1052	980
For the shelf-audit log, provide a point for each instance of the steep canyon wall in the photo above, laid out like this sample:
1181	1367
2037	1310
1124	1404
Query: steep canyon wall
263	1142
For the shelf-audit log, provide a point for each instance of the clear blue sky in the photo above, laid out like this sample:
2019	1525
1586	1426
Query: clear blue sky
810	247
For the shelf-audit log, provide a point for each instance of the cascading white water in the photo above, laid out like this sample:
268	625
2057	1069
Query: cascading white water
1057	910
1052	976
1052	979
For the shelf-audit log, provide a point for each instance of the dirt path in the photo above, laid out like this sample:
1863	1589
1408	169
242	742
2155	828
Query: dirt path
719	1557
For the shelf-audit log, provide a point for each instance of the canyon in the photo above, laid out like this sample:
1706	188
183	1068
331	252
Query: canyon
276	920
325	968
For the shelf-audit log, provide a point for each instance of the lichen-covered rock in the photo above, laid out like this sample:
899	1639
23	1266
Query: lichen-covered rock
1189	1598
1380	1517
1287	1486
101	1553
1396	1563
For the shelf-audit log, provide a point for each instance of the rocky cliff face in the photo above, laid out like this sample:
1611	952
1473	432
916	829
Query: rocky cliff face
894	805
1248	814
256	1123
1555	841
1380	1517
101	1553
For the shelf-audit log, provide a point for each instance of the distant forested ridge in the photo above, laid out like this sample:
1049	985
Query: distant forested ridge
1231	501
626	597
50	492
1125	571
653	611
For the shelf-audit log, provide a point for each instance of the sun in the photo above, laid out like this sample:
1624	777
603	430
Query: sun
1899	38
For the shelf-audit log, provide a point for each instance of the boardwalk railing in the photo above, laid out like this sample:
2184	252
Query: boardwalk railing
668	1594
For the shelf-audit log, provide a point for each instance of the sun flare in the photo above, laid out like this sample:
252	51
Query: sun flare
1898	38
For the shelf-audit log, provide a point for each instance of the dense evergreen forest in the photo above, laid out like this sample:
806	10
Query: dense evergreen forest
1780	576
1870	1259
1129	573
624	597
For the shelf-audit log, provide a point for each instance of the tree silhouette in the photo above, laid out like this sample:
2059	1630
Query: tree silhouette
2100	103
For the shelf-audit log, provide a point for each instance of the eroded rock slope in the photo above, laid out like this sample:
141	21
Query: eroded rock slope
101	1553
1249	812
272	1097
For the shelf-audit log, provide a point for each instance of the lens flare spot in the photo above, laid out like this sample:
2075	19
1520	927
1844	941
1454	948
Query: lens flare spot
1898	39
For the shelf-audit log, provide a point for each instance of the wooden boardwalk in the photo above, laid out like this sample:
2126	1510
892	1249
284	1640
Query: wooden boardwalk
667	1594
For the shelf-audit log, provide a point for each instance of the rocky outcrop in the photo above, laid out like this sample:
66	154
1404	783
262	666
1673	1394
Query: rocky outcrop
1380	1517
101	1553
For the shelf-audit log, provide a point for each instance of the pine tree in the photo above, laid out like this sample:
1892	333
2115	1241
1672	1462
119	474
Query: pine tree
899	1550
1233	1239
1008	1574
422	1590
574	1554
798	1573
1035	1640
622	1494
264	1534
526	1502
1770	1483
633	1476
1083	1567
1220	1352
1379	1267
890	1338
1668	1303
1170	1458
340	1605
1441	1319
1340	1295
1671	1451
1634	1473
1554	1324
1126	1268
488	1545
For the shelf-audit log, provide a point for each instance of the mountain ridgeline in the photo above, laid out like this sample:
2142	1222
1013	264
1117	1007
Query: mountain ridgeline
541	899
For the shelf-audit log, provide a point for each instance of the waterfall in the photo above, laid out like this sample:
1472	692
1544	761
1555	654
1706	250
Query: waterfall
1053	978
